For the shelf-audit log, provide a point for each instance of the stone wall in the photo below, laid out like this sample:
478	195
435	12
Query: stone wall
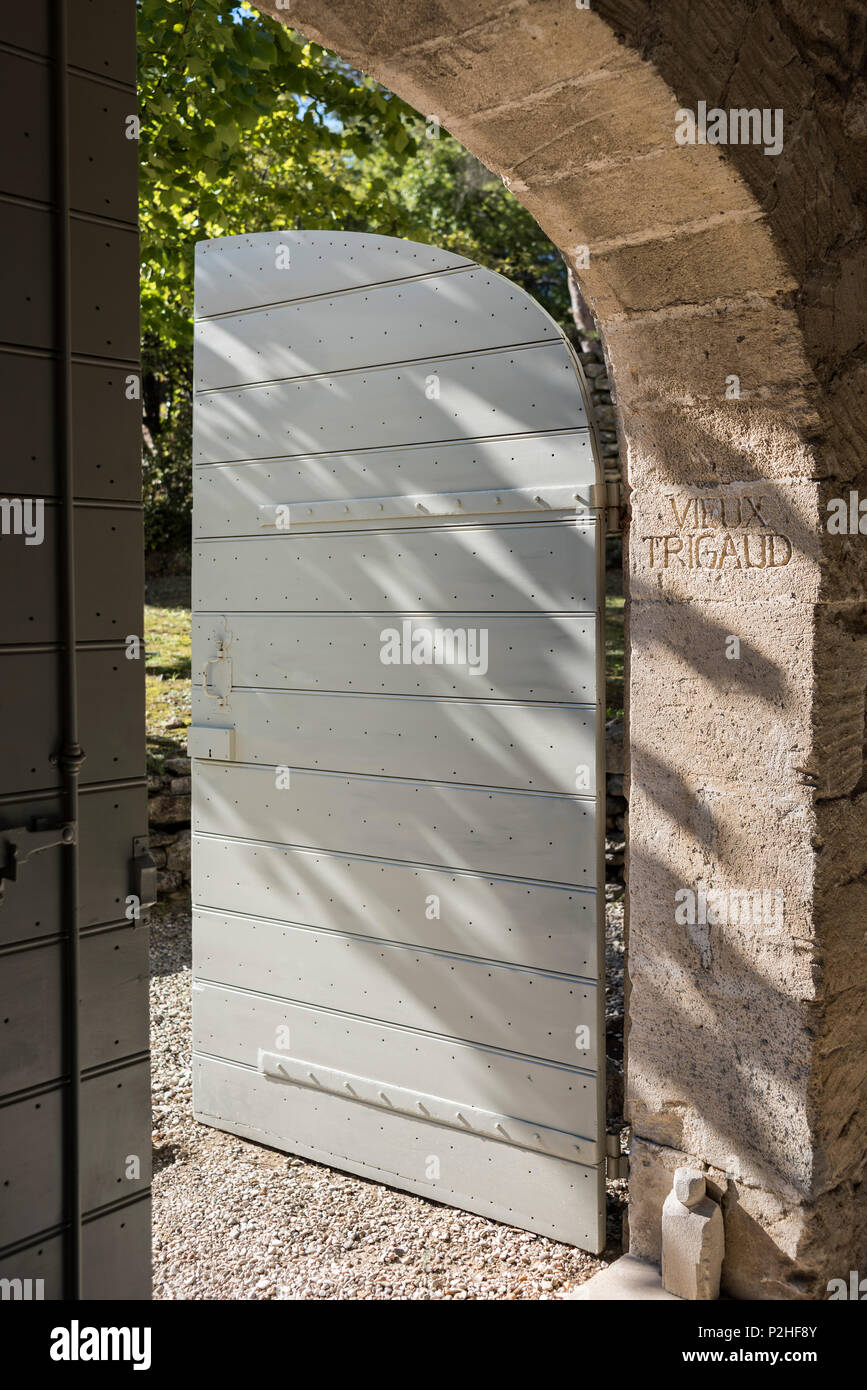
592	354
169	820
616	810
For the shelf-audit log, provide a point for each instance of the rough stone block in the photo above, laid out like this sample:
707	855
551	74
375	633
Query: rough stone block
733	713
646	192
692	1238
744	542
836	760
775	1248
702	265
178	853
840	841
696	351
166	809
540	136
689	440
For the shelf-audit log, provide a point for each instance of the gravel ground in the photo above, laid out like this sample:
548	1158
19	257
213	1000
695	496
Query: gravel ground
234	1220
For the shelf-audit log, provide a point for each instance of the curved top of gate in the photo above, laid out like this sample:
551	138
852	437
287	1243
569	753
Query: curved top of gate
279	312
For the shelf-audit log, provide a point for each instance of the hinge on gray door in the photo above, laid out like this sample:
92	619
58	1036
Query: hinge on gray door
616	1163
20	843
605	497
613	503
144	872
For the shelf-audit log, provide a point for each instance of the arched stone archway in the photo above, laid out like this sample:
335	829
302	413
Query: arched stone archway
725	283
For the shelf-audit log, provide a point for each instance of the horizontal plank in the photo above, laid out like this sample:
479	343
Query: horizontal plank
237	1027
541	566
114	1019
112	1262
526	924
103	612
227	496
468	311
527	1011
242	272
508	391
522	834
534	746
564	1201
111	728
534	656
115	1124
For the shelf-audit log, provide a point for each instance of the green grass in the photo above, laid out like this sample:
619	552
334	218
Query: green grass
167	669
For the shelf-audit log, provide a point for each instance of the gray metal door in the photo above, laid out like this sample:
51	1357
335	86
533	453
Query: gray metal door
75	1131
397	726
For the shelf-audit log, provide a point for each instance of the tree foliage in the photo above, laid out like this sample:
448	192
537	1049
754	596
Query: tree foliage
449	199
247	127
244	127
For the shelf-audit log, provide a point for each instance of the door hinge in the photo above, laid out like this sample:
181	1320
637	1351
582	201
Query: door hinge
143	872
613	504
22	842
616	1163
606	497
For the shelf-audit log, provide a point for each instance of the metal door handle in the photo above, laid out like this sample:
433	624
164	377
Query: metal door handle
222	655
211	694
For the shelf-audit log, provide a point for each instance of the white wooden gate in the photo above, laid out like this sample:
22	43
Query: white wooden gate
398	789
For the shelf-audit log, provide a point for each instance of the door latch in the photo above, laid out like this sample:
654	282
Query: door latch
21	843
224	661
144	872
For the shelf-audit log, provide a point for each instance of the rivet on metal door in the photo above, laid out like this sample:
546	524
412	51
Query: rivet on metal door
398	866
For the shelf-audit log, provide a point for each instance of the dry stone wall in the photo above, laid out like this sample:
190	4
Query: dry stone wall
169	820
